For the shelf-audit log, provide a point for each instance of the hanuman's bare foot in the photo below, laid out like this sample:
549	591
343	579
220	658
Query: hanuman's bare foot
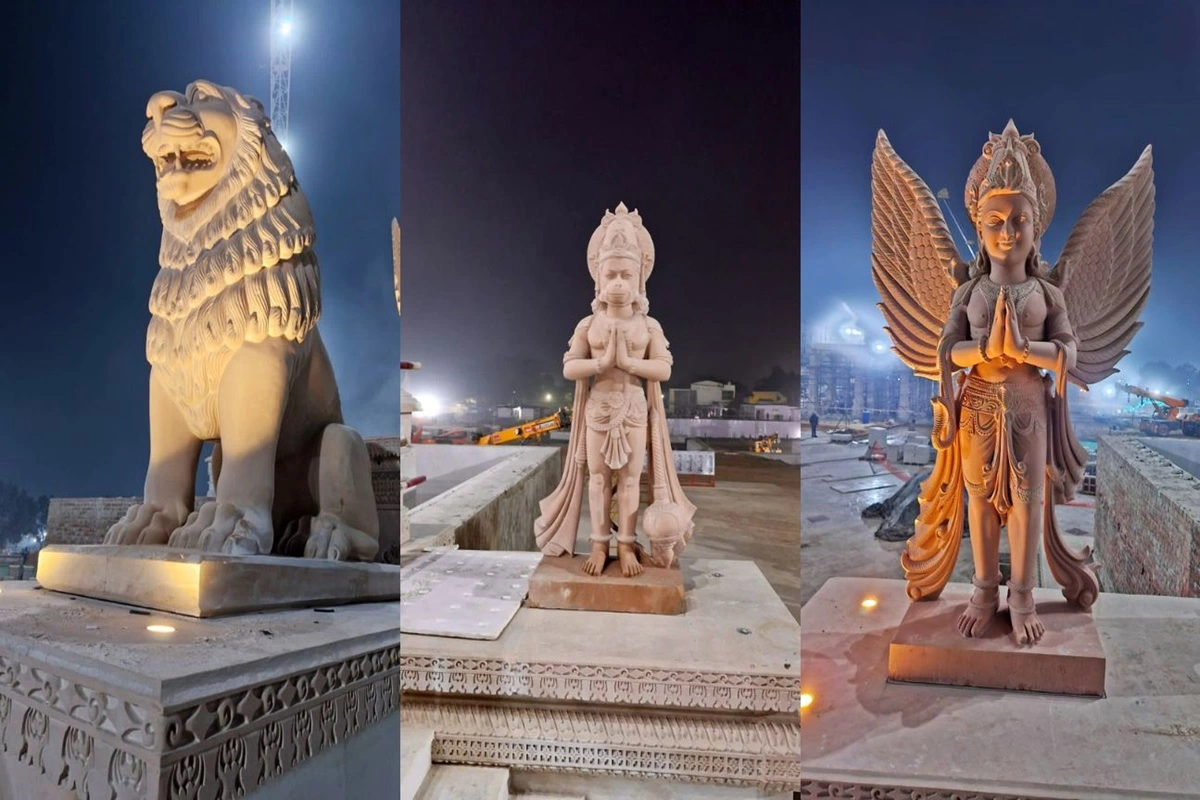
628	555
981	608
1027	627
597	560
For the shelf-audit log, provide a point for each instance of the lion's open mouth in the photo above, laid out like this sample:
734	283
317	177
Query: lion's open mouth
189	159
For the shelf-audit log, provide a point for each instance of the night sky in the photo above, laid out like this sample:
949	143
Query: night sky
81	229
1095	88
523	122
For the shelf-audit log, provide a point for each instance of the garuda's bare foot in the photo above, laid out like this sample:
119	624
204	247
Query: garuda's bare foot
1027	627
332	538
628	556
598	560
981	609
142	524
225	528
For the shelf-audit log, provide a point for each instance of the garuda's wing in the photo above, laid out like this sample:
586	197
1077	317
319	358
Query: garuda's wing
1104	272
914	262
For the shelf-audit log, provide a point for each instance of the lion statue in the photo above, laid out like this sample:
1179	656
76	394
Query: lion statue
235	354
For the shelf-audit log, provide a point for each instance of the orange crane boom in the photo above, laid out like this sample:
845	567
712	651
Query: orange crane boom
529	430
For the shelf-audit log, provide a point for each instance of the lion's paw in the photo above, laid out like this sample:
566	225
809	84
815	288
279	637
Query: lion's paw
225	528
333	539
142	524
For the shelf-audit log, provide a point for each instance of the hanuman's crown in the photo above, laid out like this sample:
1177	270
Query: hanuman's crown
621	234
1012	164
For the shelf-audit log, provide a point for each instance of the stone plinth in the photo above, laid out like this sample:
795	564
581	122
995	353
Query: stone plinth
929	649
864	736
93	704
199	584
561	583
710	696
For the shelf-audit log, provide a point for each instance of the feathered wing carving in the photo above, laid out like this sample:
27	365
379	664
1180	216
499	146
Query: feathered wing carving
1104	272
914	262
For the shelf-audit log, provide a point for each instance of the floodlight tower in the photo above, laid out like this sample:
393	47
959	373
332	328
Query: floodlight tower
281	66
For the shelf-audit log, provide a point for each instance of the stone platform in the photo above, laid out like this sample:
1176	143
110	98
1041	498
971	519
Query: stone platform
199	584
291	704
708	697
561	583
865	736
929	649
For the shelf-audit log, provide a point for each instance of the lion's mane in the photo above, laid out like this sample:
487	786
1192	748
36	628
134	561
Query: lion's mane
238	268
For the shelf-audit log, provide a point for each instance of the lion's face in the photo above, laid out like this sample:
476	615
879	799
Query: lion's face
190	138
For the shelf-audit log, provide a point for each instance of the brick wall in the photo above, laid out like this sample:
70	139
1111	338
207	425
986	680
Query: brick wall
85	520
1147	521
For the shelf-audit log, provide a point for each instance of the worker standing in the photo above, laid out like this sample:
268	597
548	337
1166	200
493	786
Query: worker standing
812	424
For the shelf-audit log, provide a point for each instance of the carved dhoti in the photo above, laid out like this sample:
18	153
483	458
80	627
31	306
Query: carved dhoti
614	414
1002	434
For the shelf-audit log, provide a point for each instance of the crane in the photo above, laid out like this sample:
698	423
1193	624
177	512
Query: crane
1165	411
281	67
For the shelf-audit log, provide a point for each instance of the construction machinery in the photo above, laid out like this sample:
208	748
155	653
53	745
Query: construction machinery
560	420
768	444
1164	419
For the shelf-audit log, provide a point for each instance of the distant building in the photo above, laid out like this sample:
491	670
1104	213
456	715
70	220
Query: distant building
844	376
522	413
703	398
779	412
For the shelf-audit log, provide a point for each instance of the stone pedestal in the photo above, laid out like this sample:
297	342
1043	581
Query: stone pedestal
928	648
96	703
865	736
708	697
561	583
199	584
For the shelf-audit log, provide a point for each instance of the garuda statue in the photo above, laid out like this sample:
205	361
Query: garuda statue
1003	335
235	355
616	420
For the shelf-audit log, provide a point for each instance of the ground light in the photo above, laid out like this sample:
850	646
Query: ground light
160	628
806	700
869	603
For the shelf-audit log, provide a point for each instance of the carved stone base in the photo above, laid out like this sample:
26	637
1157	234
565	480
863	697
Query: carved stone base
734	750
92	702
561	583
929	649
711	696
200	584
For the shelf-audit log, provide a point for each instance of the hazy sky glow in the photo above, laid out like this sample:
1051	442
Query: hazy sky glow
1095	88
83	233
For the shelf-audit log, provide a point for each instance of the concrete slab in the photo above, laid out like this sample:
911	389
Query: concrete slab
465	783
470	594
864	736
928	648
416	748
737	647
865	484
561	583
199	584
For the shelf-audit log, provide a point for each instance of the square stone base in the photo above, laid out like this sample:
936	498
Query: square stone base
96	702
199	584
928	648
561	583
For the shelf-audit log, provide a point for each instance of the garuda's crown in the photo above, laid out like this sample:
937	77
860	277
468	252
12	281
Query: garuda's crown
1012	164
